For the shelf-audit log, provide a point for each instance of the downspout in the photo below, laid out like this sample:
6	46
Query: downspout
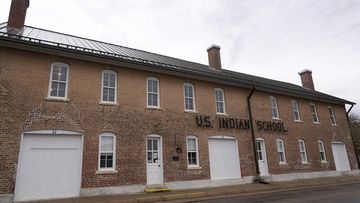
257	177
352	138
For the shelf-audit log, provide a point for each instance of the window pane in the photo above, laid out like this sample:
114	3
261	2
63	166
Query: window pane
63	74
149	157
191	144
111	95
155	145
155	86
105	94
102	161
109	161
112	80
150	86
54	89
154	100
219	96
279	146
219	107
150	99
192	158
106	80
149	144
61	90
274	113
55	73
106	160
107	143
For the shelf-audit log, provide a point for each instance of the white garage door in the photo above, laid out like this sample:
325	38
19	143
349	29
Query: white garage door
224	158
49	167
340	157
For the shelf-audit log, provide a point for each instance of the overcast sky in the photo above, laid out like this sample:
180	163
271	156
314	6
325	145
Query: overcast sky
269	38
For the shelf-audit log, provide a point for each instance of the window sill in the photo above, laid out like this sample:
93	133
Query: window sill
222	114
108	104
298	121
57	99
189	111
334	125
316	123
324	162
153	108
194	167
305	163
99	172
283	164
276	119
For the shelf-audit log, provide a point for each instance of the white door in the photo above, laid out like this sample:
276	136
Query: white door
49	167
340	157
261	156
154	164
224	158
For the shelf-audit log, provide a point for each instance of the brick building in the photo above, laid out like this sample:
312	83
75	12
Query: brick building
83	117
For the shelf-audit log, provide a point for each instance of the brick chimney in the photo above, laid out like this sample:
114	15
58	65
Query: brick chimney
214	57
306	79
17	15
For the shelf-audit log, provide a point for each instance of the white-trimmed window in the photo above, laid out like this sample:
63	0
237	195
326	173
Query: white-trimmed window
107	151
189	97
304	158
332	115
322	151
314	113
281	150
274	107
295	110
59	78
109	84
192	151
153	92
220	101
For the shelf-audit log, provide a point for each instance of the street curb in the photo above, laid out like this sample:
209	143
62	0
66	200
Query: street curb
263	192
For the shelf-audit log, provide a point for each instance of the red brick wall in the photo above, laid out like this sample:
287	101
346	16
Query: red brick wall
24	87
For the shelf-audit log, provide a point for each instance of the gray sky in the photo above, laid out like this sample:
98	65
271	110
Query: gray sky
269	38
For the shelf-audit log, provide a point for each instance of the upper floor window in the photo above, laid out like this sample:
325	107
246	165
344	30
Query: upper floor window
59	78
322	151
295	110
332	115
189	97
153	92
109	84
281	150
304	158
314	113
274	107
192	151
220	101
107	151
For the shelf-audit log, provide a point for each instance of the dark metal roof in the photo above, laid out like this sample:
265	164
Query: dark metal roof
51	39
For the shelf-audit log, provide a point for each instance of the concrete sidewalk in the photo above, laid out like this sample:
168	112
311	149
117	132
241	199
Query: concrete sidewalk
192	195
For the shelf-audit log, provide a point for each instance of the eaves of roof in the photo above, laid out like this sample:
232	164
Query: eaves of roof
138	59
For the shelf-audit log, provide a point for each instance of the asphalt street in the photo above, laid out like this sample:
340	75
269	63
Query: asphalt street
348	193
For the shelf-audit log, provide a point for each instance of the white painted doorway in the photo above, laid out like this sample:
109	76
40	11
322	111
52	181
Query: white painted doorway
340	156
154	166
224	158
49	166
261	156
